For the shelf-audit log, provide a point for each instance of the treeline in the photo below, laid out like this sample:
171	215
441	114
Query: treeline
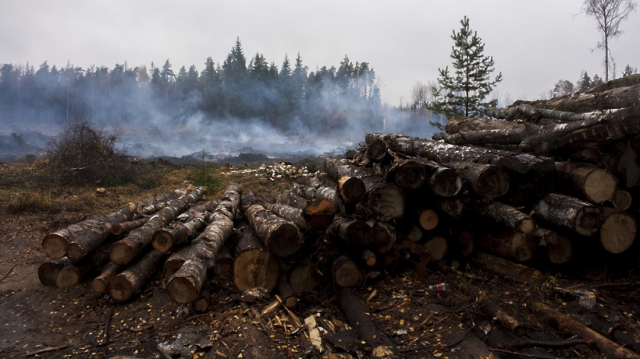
286	97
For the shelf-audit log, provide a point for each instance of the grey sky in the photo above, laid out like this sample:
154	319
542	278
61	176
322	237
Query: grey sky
534	43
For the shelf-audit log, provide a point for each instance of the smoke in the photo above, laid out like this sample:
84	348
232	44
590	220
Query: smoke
149	123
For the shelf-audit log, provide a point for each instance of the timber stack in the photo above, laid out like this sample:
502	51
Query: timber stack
538	184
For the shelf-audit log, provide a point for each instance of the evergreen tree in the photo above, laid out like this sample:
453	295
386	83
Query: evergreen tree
463	92
584	83
628	71
597	81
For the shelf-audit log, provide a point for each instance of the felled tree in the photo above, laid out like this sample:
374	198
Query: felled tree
463	91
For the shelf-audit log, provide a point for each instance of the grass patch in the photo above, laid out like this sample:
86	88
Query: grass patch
30	202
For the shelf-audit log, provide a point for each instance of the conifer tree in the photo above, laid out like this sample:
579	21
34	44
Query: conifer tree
463	91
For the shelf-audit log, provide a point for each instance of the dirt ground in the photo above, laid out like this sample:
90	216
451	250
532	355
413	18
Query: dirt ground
74	322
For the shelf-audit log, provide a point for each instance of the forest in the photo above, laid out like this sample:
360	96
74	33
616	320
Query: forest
289	99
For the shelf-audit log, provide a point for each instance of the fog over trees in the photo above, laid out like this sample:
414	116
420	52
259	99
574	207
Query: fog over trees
223	99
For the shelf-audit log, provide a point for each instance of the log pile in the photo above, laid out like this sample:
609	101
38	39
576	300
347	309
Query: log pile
541	186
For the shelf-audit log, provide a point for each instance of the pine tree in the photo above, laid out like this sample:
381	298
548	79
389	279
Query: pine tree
584	83
463	92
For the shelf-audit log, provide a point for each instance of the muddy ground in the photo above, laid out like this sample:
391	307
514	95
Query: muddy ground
45	322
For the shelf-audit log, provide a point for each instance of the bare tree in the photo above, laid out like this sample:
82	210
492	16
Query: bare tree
419	95
609	14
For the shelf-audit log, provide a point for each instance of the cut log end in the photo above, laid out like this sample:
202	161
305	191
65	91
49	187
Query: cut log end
75	252
120	289
352	190
182	290
621	200
67	277
255	268
445	182
98	285
492	183
285	240
162	241
428	219
121	254
588	221
410	175
618	231
54	245
526	225
599	186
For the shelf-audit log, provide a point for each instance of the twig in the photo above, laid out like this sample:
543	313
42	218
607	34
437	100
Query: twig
46	350
107	327
6	274
520	354
536	343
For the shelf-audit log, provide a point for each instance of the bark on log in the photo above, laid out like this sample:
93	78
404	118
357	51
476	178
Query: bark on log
618	230
487	181
196	263
280	236
569	213
558	247
619	334
187	226
48	271
505	268
176	260
203	302
55	244
507	215
346	272
88	241
461	124
594	184
443	153
384	235
129	282
126	227
621	200
350	188
357	316
511	245
591	101
154	204
100	283
612	127
384	200
286	196
292	214
126	250
253	266
564	323
303	278
224	261
353	232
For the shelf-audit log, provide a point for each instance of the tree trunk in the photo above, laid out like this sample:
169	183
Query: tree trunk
618	230
428	219
384	235
487	181
292	214
203	302
438	247
357	316
369	258
190	269
55	244
350	188
507	215
303	278
287	197
129	282
495	311
126	227
511	245
253	266
320	212
376	150
590	101
100	283
408	174
569	213
154	204
384	200
126	250
443	153
505	268
453	207
224	261
289	298
345	272
279	235
48	271
72	274
445	182
564	323
558	247
621	200
187	226
594	184
88	241
612	127
356	234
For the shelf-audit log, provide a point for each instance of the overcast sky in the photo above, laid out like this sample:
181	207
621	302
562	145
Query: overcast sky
534	43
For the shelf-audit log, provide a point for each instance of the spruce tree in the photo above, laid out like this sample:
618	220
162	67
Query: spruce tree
463	91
